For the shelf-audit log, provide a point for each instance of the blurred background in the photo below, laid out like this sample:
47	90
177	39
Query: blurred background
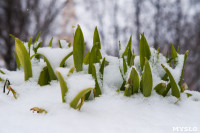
163	22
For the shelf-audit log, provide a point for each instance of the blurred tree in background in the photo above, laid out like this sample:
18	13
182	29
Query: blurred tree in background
23	19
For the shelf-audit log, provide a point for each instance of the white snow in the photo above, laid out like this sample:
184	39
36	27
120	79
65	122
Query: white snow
78	82
157	70
64	44
54	55
112	76
112	112
64	71
31	48
37	68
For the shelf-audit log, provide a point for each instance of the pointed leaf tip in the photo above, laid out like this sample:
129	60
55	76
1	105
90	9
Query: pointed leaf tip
78	49
24	58
96	38
144	50
63	85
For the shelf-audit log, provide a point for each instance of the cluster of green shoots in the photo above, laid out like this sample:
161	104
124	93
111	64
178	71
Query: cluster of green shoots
134	83
140	79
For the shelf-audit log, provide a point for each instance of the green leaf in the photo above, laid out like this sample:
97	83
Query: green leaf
135	80
63	86
2	72
29	45
1	79
124	66
177	49
141	85
158	50
96	38
128	90
167	55
174	86
65	58
99	56
167	89
81	94
36	48
188	94
129	46
50	69
160	88
81	103
87	95
44	78
122	88
147	80
13	37
60	46
86	58
165	77
120	46
132	59
133	84
129	57
24	58
17	60
97	90
174	54
101	70
69	44
144	50
71	71
78	49
50	43
181	78
169	60
93	58
37	37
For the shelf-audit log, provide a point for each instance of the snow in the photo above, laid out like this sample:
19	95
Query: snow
109	113
31	48
16	78
77	83
157	70
64	71
64	44
54	55
112	112
112	76
179	67
37	67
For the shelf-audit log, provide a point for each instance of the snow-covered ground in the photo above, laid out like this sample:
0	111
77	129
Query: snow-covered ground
112	112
